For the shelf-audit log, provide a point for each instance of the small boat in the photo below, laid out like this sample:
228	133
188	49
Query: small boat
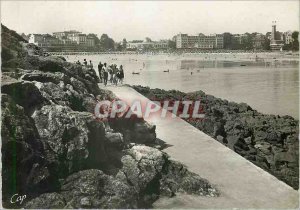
167	70
135	72
243	65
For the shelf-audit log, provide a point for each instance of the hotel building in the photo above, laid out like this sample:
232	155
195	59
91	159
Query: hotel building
147	45
184	41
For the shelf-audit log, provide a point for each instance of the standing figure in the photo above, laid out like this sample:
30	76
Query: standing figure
121	75
85	62
111	73
105	73
115	71
91	64
100	71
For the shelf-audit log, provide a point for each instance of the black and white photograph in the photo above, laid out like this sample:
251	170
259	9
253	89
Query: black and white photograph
149	104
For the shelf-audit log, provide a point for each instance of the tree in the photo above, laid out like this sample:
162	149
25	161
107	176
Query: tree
172	44
137	41
97	40
247	42
118	47
148	39
295	42
106	43
124	44
227	40
266	44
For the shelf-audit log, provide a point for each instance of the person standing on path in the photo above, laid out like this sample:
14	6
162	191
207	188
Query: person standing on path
115	71
111	73
121	74
105	73
91	64
100	66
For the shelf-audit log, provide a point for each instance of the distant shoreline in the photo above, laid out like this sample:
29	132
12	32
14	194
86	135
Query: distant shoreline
174	53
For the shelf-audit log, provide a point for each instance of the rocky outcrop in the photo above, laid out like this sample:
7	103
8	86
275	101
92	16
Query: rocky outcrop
23	163
58	154
146	174
269	141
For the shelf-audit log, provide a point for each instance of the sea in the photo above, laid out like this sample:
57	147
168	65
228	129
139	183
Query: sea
268	82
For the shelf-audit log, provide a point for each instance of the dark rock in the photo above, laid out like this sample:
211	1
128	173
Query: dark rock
255	136
115	139
178	179
220	138
141	165
47	201
25	94
73	138
22	153
151	173
135	130
94	189
56	152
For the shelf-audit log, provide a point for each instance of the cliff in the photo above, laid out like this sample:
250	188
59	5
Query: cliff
59	155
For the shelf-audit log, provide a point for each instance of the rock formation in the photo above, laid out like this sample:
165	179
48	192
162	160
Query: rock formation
60	155
269	141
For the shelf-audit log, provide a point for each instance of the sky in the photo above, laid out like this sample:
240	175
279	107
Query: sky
154	19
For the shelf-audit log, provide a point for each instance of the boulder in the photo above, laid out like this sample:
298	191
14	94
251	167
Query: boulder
22	152
74	139
135	130
94	189
142	165
47	201
177	178
152	174
25	94
115	139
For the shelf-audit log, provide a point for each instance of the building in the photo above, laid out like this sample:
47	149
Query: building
258	41
44	40
82	40
77	37
205	42
288	37
182	41
239	38
147	44
35	39
90	41
219	41
201	41
65	34
67	40
277	40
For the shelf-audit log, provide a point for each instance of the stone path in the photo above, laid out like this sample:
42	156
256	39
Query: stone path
241	183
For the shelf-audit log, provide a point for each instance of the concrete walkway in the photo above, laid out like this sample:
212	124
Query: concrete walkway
241	183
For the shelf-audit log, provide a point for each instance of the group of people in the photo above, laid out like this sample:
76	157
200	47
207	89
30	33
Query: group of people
85	63
115	74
